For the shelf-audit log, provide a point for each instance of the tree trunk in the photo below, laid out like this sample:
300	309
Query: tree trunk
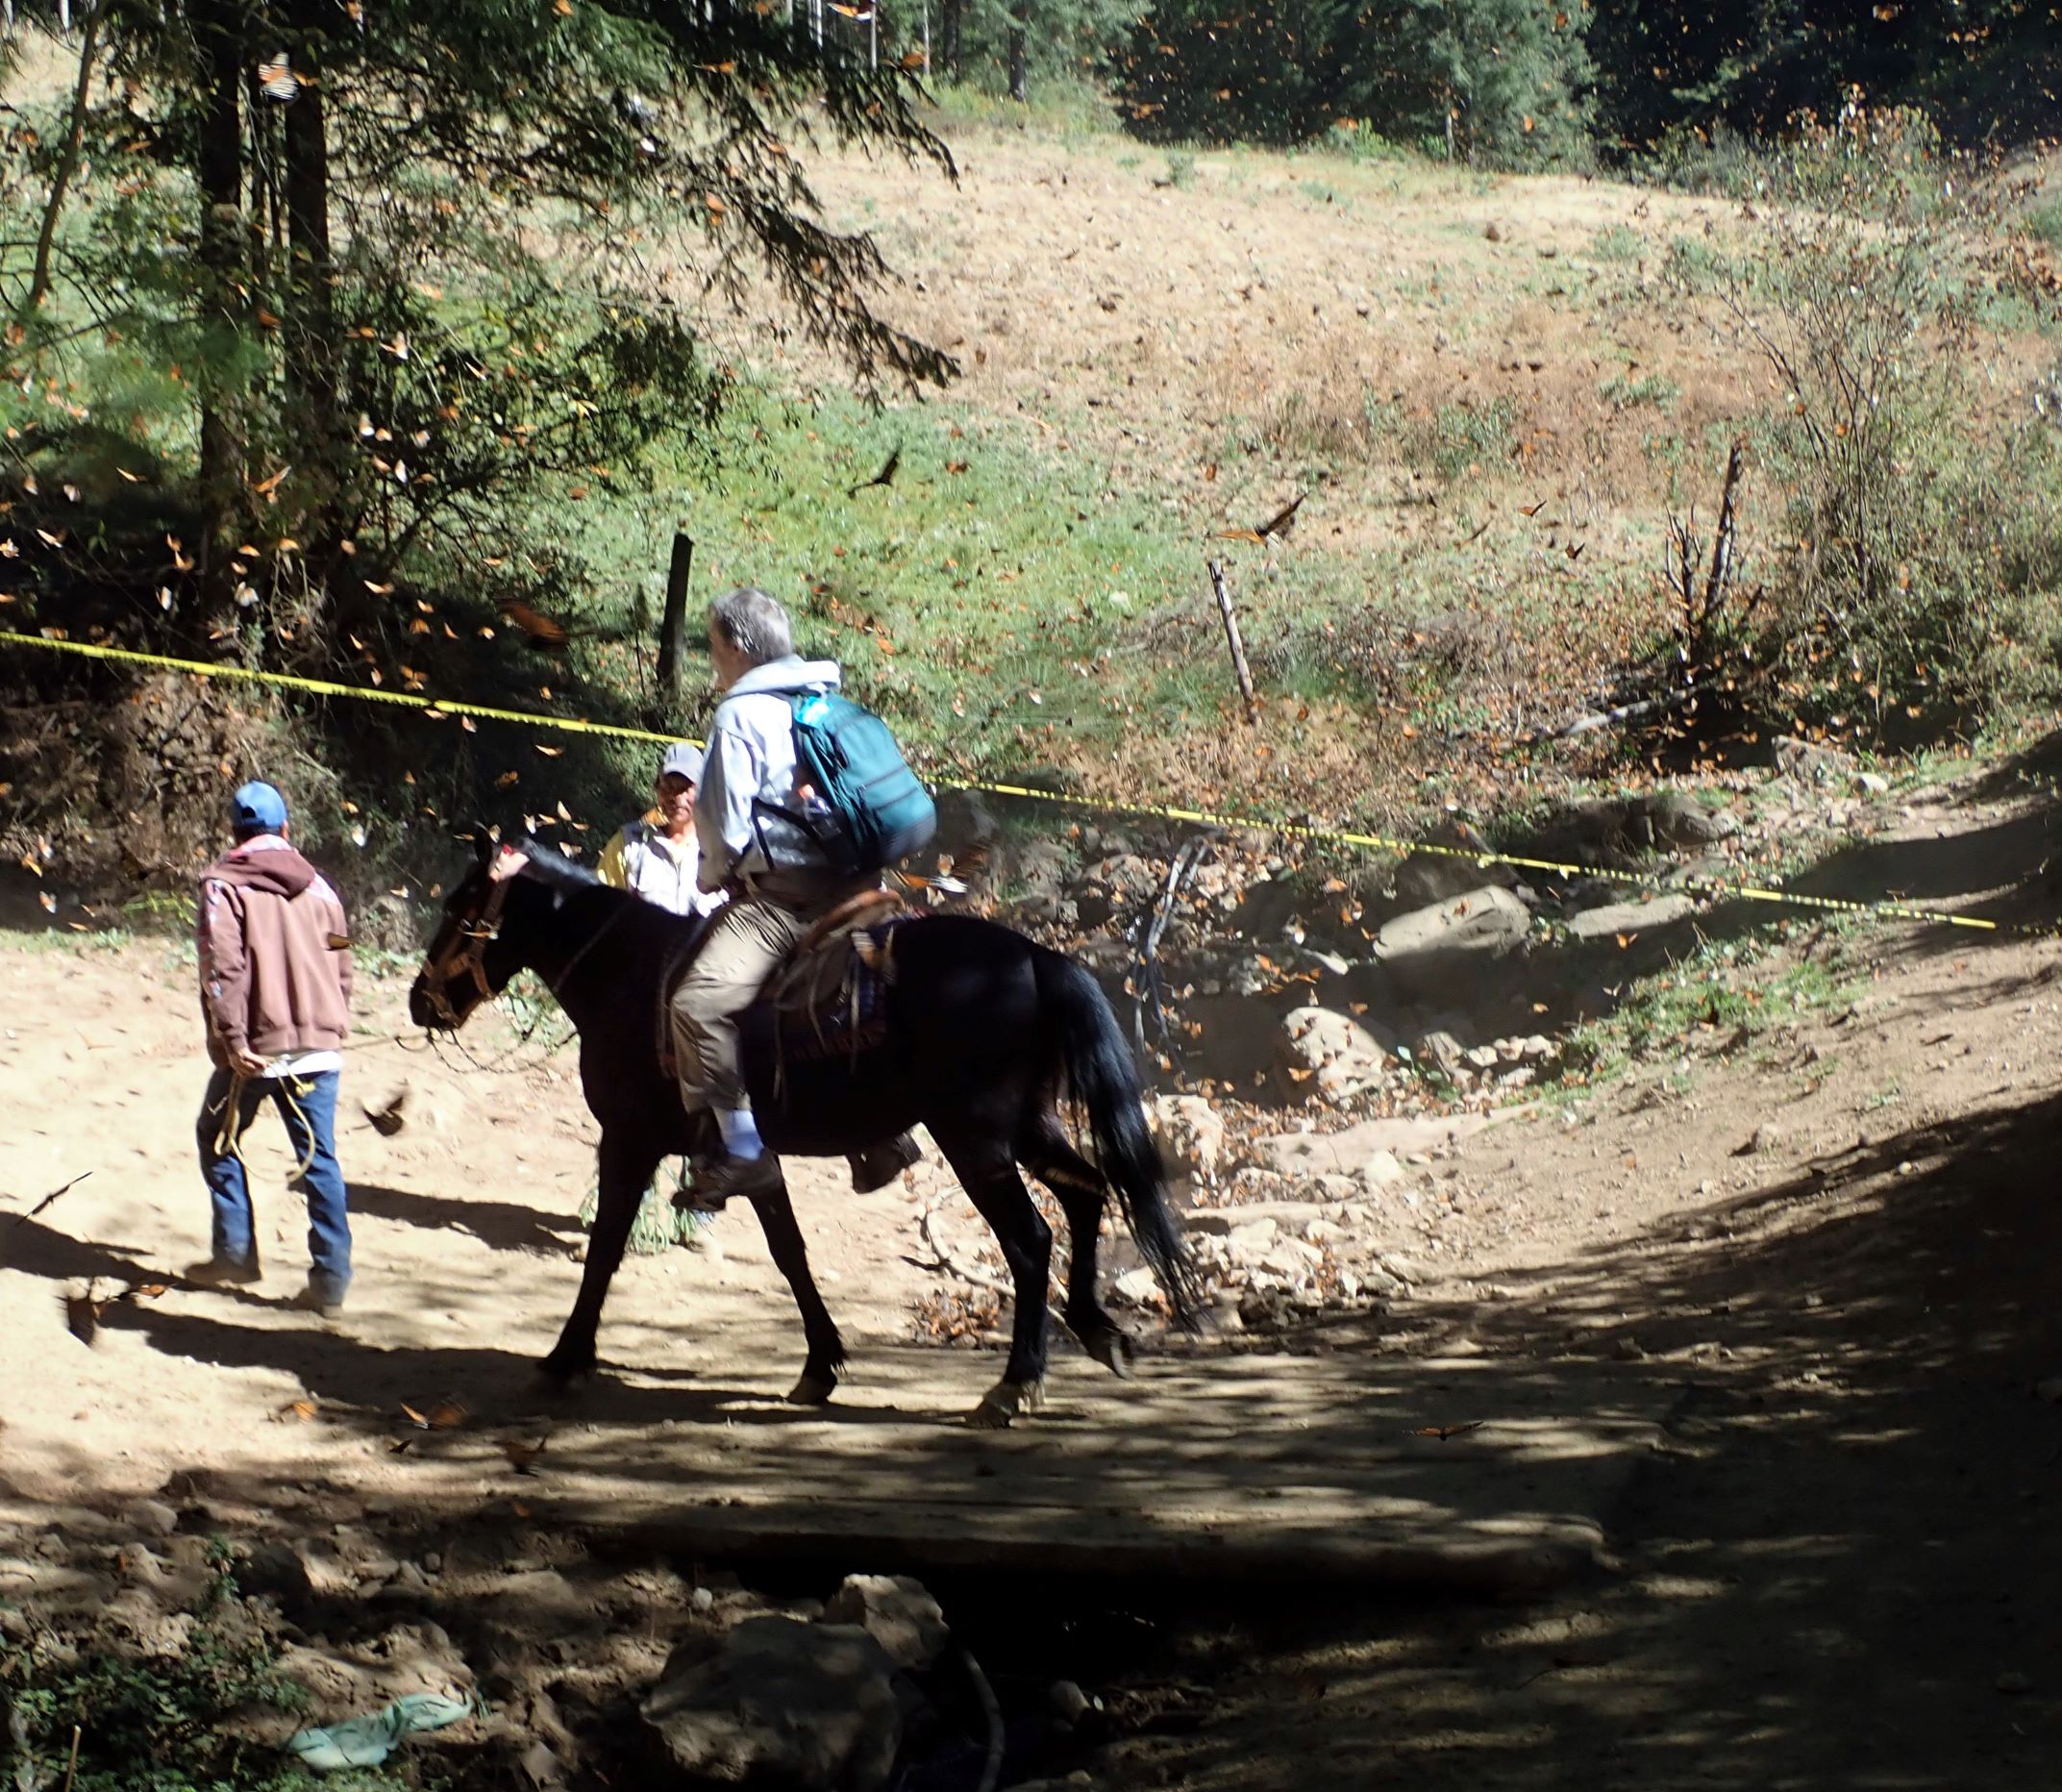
949	12
311	349
1019	53
218	171
67	167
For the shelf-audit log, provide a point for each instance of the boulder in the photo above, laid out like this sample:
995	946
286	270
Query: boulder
1234	1040
1487	918
967	828
1631	917
1190	1135
896	1612
1323	1053
1440	1051
801	1708
1810	761
1620	831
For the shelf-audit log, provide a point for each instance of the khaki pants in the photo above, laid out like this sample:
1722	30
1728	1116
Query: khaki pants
745	944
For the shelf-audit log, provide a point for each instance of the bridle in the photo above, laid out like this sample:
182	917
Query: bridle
465	956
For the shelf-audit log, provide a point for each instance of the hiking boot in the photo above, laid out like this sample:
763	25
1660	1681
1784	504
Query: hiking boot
879	1165
329	1302
727	1177
221	1272
701	1167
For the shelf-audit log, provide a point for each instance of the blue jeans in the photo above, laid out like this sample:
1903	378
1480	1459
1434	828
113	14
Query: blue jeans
308	1104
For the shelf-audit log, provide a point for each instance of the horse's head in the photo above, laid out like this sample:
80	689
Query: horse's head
467	962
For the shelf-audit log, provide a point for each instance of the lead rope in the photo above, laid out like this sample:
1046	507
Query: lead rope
230	1130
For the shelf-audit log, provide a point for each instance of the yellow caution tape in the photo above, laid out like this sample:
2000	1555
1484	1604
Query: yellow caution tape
434	707
431	707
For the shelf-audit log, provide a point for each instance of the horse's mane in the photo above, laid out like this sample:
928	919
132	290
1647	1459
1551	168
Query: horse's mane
556	870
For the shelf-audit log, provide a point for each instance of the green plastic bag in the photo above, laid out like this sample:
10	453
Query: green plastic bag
367	1741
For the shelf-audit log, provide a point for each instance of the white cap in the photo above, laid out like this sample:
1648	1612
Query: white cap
684	759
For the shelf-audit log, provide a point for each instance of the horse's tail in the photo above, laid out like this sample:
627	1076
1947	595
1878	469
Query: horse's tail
1102	1086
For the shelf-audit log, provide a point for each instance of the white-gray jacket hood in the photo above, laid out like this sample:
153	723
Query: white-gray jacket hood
750	760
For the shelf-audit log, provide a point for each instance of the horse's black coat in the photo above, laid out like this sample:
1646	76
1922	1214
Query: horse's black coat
987	1032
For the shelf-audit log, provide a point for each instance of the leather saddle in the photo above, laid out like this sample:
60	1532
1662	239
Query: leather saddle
829	995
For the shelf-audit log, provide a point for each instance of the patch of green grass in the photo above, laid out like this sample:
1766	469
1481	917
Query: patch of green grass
2044	220
1616	243
1181	169
1321	192
1724	990
1465	437
975	599
1622	392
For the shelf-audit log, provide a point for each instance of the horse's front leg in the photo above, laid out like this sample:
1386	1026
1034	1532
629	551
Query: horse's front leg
826	1349
627	1160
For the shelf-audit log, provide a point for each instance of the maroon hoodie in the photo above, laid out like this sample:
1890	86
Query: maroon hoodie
274	955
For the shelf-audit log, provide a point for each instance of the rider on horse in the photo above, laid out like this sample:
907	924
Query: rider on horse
780	886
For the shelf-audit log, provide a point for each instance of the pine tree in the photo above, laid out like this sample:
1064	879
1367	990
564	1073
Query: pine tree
422	251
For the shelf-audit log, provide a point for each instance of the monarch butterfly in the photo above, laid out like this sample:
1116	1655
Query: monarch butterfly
541	631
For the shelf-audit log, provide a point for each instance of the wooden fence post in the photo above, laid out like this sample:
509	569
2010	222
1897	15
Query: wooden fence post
1237	646
675	621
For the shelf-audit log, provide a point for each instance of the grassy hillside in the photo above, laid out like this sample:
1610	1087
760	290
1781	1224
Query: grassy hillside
1489	392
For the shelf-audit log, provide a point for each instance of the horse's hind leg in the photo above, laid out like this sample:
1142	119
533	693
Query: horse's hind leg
624	1162
1080	1188
987	1169
826	1349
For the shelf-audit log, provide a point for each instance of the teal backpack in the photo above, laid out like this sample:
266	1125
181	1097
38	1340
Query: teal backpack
870	810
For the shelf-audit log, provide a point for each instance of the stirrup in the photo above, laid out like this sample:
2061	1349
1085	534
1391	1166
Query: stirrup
879	1164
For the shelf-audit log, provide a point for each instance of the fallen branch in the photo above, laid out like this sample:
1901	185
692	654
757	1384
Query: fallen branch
1147	986
49	1198
1624	713
992	1771
950	1264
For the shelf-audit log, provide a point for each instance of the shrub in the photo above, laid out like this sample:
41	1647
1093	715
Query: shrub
1912	569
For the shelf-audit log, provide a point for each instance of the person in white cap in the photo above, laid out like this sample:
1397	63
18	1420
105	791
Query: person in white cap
658	857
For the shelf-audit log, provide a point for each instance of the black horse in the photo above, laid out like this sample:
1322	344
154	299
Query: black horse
987	1034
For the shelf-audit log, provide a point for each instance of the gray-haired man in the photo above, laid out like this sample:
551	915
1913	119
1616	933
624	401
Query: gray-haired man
748	767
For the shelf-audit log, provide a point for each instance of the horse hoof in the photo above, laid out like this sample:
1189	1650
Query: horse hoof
1004	1403
560	1376
812	1390
1115	1351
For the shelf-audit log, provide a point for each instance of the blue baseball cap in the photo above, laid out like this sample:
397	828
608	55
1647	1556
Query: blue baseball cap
684	759
258	807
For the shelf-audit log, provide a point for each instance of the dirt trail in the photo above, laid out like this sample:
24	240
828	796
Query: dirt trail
1826	1262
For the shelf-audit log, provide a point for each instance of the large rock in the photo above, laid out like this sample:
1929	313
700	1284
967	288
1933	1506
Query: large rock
1323	1053
1190	1133
897	1613
1487	918
1631	917
785	1706
1234	1037
1437	953
1621	831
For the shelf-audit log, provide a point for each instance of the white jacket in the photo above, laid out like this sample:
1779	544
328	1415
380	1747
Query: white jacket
750	760
641	859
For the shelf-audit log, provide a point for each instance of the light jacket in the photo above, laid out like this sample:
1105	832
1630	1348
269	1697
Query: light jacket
641	858
750	763
275	954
